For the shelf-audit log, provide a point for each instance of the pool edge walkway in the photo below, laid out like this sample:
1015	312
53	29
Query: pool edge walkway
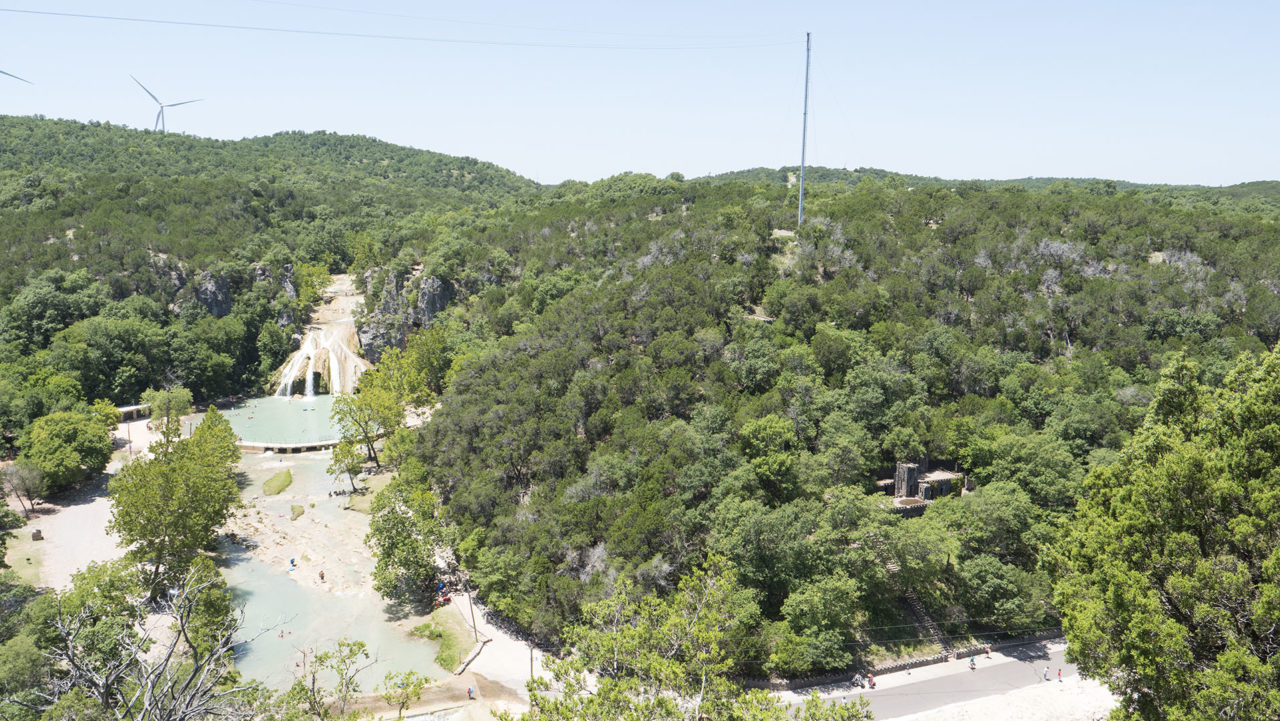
265	446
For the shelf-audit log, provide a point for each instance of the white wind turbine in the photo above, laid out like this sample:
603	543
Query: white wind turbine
15	77
160	115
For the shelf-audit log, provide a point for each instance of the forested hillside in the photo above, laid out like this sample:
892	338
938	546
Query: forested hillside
638	374
138	259
646	371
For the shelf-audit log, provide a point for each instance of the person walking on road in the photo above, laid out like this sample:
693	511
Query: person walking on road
1046	673
972	664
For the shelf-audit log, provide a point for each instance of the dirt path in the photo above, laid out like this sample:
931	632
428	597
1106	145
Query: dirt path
74	530
505	659
74	525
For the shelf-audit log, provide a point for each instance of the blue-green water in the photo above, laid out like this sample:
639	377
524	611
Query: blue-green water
285	610
284	420
283	618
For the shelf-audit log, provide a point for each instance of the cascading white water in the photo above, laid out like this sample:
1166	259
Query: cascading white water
310	386
289	373
335	370
319	346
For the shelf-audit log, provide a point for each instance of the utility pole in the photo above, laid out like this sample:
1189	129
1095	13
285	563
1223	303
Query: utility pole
530	660
804	132
470	605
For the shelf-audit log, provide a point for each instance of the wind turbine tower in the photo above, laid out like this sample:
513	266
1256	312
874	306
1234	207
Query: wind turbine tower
160	115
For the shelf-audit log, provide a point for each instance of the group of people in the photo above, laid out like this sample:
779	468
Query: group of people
293	566
973	666
869	681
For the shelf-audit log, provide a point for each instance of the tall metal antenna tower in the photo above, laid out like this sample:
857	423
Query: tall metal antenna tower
804	132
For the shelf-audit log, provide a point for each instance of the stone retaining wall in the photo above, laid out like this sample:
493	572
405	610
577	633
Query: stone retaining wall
797	684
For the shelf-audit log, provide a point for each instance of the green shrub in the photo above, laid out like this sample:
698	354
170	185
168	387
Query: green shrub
297	512
277	483
452	645
427	630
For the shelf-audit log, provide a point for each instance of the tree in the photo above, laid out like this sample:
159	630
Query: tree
168	507
106	412
145	678
415	374
823	616
8	522
367	417
1038	463
346	461
211	603
168	406
404	531
999	594
26	482
403	688
664	659
344	663
1169	574
769	444
214	444
65	447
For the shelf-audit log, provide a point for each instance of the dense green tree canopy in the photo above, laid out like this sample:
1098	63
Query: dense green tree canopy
626	375
1170	586
66	447
643	370
168	508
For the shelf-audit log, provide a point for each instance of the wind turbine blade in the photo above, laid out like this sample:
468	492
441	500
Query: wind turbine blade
159	118
15	77
148	92
184	102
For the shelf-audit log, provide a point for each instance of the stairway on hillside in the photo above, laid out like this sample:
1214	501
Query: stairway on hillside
925	621
919	615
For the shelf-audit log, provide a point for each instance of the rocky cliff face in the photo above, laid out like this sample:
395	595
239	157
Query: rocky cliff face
214	293
215	289
433	296
389	324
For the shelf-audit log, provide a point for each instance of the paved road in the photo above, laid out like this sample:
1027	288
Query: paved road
988	680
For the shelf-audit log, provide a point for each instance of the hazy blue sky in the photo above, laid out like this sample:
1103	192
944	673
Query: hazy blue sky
1167	91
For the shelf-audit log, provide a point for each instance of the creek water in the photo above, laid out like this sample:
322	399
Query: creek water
287	609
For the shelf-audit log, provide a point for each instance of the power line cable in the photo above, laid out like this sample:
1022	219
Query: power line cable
509	26
382	36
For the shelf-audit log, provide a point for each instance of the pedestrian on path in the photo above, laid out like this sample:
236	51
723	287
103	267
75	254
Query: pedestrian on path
1059	675
1046	673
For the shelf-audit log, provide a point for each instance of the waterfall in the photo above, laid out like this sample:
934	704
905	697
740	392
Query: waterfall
335	372
310	391
290	372
327	352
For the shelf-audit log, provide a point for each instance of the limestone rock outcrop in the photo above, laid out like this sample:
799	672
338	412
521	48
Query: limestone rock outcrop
405	303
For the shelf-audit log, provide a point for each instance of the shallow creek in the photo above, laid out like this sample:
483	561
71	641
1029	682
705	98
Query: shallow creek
289	608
